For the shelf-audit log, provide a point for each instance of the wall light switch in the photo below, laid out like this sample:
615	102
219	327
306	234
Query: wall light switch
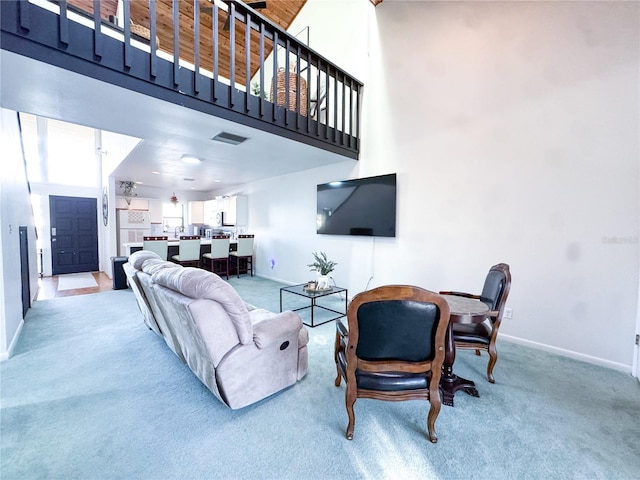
508	312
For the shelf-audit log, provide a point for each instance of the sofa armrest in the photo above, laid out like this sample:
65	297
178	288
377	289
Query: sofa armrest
276	329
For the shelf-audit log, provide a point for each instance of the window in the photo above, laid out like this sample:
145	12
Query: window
172	216
59	152
71	154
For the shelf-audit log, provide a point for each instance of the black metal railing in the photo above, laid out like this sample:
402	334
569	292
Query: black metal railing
237	65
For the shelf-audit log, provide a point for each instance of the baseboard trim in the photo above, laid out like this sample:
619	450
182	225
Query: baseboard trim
7	355
568	353
528	343
279	280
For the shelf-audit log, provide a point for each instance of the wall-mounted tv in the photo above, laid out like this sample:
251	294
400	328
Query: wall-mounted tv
364	206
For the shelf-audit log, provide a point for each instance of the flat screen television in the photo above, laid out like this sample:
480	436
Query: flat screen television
364	206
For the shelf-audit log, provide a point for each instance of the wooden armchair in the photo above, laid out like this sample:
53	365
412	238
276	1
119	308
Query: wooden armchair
393	349
482	336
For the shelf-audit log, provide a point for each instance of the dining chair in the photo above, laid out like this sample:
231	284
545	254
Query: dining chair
188	251
393	348
244	252
159	245
482	336
219	254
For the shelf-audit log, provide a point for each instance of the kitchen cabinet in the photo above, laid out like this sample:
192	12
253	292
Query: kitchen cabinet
210	208
237	210
136	203
196	213
155	211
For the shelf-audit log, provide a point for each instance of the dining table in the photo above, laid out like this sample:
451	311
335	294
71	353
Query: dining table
463	310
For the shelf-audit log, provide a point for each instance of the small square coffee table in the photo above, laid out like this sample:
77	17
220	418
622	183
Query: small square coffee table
314	295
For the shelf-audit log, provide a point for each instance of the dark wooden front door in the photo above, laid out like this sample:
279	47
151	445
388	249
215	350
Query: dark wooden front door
74	234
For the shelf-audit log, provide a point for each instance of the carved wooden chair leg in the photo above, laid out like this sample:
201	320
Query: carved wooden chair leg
350	399
352	421
435	399
493	358
335	358
431	421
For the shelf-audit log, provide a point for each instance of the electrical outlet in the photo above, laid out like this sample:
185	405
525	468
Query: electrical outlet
508	312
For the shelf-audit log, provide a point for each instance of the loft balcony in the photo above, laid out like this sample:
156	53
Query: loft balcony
218	57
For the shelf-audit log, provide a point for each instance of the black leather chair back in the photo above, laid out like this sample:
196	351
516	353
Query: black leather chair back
394	348
493	288
383	337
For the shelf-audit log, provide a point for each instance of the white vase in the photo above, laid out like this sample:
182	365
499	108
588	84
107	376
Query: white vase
323	282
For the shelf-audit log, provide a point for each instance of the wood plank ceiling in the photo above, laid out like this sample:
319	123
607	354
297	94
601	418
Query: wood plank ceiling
281	12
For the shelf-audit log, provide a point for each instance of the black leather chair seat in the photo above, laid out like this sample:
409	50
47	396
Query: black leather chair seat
387	381
474	332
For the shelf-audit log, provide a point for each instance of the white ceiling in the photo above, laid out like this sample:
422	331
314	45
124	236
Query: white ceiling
167	131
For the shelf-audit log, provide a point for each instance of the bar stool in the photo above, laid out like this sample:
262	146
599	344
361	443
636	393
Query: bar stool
159	245
188	251
219	254
244	252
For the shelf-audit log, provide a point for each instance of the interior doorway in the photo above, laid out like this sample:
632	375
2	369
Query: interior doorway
74	234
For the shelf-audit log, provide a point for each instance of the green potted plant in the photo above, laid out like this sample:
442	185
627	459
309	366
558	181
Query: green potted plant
127	187
323	266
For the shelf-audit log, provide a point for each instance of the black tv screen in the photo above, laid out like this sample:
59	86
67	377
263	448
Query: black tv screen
364	206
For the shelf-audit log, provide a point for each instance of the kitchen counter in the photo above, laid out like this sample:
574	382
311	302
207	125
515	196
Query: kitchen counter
205	246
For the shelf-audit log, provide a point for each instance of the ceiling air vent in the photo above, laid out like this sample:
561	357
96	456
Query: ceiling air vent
230	138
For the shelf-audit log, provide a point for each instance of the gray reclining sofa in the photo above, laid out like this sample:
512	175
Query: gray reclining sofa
241	353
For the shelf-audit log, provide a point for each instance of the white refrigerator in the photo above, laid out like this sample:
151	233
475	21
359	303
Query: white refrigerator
133	225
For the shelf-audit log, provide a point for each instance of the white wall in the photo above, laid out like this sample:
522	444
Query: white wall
15	211
513	128
339	31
